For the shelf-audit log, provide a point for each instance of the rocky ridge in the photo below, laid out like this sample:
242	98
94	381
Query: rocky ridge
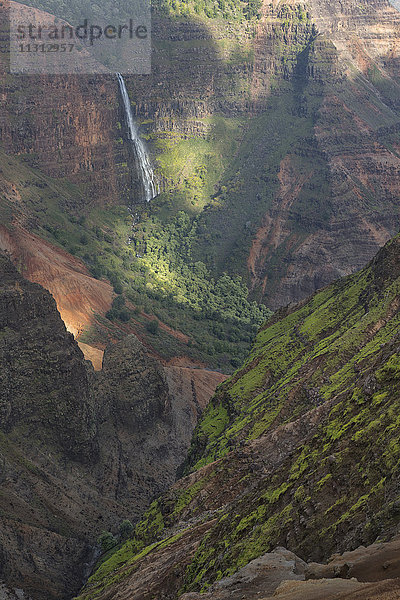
80	452
281	574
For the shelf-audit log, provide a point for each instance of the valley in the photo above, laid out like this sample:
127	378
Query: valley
298	449
199	305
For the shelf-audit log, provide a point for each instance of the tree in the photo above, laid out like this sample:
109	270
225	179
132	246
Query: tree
125	529
106	540
118	302
96	270
111	314
116	283
124	315
153	327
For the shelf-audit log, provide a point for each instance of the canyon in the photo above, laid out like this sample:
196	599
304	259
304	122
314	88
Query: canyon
291	482
337	73
143	375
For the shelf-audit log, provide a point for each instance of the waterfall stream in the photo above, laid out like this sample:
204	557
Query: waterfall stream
145	169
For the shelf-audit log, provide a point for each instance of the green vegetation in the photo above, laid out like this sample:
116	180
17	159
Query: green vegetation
106	541
130	552
212	9
185	497
180	262
223	184
334	362
125	529
330	333
150	267
178	265
74	10
153	267
153	327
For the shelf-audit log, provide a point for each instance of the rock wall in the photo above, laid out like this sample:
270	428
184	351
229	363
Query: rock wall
79	451
333	68
351	93
67	126
30	359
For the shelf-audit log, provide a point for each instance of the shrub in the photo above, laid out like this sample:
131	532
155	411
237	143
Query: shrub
153	327
106	540
96	271
124	315
117	285
118	302
125	529
111	314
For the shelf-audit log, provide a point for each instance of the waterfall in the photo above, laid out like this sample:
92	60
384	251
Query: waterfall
146	172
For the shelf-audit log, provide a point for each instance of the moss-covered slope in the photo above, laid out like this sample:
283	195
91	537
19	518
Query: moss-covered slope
305	446
303	357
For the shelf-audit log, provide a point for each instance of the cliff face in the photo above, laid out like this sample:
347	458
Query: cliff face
277	134
78	295
30	359
315	90
298	449
145	425
347	86
68	130
67	126
79	452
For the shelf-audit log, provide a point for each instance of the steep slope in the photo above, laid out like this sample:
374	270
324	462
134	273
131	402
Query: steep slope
299	448
79	296
30	358
310	121
273	129
341	113
73	256
79	452
66	126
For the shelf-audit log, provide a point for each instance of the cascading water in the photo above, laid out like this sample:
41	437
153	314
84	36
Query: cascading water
146	172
